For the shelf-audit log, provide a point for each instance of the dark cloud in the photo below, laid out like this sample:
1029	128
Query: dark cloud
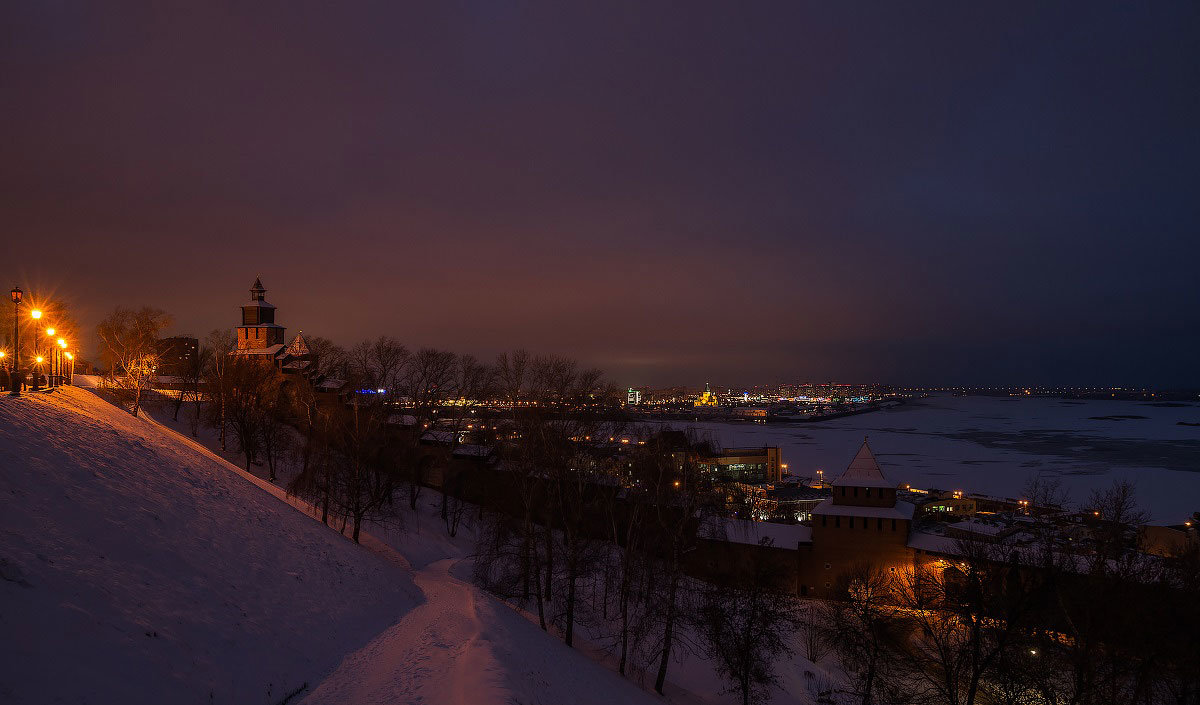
908	193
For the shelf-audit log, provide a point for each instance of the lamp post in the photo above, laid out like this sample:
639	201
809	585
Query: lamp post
16	363
62	347
35	314
50	350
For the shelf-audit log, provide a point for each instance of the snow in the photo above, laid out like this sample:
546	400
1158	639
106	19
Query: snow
977	527
751	532
138	566
994	445
902	510
864	471
139	569
934	543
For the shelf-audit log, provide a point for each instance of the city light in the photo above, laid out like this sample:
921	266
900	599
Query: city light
35	313
70	356
40	359
62	343
49	331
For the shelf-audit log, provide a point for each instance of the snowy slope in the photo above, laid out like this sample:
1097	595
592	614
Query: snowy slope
137	569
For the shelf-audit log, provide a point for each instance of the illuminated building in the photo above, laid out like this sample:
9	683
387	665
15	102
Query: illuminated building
752	466
634	396
706	399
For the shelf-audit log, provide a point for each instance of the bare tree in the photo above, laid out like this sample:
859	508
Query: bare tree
811	630
472	383
221	344
746	625
866	633
378	364
424	381
679	499
129	346
249	381
364	477
966	615
274	430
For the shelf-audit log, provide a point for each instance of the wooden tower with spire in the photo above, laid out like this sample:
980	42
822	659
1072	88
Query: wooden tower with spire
258	330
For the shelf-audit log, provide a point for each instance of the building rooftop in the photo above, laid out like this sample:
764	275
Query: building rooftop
753	532
863	471
902	510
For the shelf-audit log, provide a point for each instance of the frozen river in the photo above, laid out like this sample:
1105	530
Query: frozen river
995	444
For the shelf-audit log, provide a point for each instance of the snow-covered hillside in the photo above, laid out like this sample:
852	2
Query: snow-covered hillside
137	569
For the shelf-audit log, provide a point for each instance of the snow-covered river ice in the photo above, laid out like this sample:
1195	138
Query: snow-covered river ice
994	445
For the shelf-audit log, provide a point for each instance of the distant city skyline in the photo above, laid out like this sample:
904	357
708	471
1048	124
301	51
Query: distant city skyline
977	195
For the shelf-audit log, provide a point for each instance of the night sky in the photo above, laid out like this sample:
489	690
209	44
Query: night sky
741	192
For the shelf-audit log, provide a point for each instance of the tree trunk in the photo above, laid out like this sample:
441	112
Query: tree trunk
571	579
668	634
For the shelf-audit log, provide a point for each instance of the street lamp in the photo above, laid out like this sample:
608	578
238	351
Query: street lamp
13	382
58	361
35	314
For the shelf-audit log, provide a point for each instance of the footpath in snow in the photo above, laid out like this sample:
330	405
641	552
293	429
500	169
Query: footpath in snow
460	645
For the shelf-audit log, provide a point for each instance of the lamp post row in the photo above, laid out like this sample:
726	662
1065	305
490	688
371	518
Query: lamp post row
56	353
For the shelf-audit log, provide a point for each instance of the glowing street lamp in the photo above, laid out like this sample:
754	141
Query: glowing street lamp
35	313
